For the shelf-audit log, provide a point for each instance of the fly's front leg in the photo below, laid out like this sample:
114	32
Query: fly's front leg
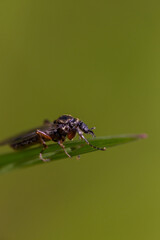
82	137
62	146
41	136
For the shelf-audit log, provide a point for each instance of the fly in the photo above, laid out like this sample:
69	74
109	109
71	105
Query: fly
64	127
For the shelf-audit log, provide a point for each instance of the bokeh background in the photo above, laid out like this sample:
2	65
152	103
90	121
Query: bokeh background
99	61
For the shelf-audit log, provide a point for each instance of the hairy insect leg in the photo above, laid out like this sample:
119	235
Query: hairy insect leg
82	137
78	157
44	135
62	146
41	156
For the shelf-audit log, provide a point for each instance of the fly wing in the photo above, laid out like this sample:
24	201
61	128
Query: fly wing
23	136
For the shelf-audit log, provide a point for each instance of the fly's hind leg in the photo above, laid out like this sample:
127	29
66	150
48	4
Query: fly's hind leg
62	146
41	136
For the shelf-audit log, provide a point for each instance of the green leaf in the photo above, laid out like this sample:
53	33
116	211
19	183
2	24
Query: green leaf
30	157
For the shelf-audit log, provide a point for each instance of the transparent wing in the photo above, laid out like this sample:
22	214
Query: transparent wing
28	135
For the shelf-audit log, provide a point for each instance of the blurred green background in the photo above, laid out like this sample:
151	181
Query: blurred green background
99	61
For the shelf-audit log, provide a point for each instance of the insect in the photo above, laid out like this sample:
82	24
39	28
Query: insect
64	127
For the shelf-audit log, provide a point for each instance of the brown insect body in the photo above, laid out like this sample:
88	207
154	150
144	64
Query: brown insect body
57	131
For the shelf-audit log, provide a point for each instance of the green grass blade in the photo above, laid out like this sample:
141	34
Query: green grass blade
30	156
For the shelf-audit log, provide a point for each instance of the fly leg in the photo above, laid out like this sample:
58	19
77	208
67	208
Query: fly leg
62	146
47	137
78	157
82	137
